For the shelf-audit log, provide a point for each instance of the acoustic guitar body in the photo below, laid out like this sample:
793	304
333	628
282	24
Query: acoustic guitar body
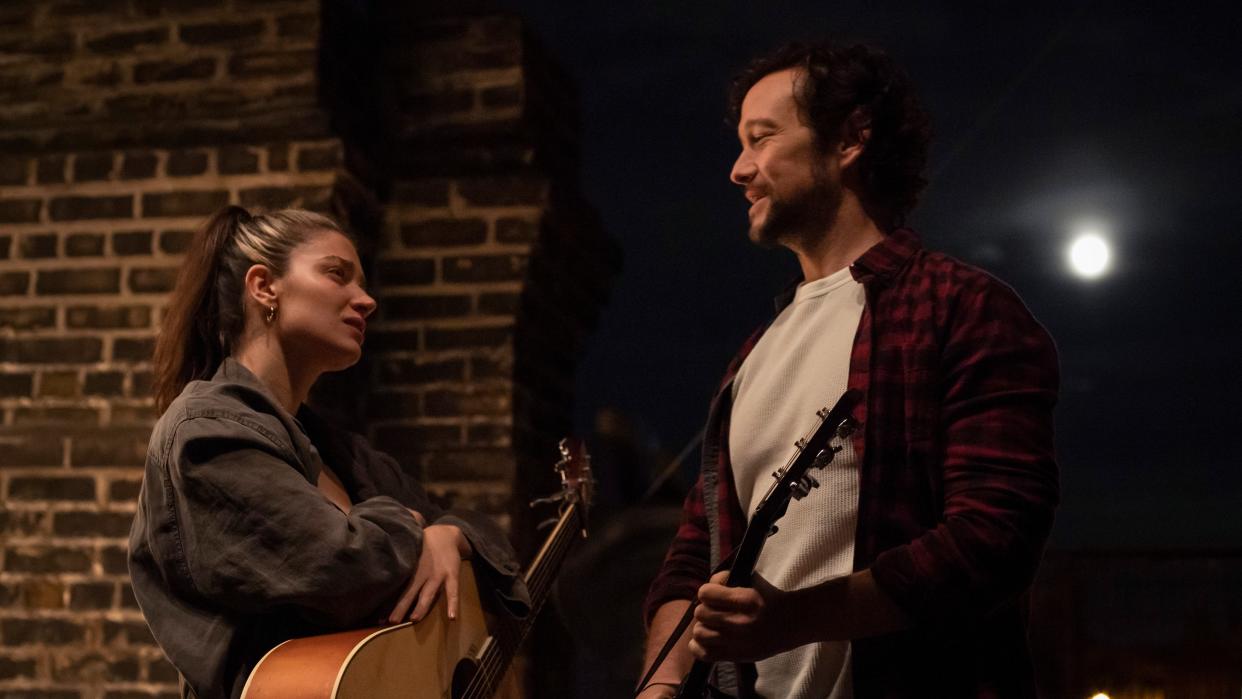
430	659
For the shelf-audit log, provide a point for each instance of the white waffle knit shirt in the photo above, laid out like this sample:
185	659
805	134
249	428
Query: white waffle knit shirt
800	365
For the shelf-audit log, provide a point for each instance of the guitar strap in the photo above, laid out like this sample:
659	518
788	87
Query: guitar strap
676	636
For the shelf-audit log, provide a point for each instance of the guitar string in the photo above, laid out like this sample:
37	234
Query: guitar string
490	669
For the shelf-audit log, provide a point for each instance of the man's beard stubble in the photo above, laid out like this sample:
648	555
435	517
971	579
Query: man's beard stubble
802	218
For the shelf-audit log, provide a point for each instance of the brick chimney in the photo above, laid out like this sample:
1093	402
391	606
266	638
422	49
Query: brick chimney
446	142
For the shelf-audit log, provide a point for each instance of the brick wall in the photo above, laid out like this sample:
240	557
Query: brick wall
123	123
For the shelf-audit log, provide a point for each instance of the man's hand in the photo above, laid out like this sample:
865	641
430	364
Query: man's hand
658	691
742	624
444	548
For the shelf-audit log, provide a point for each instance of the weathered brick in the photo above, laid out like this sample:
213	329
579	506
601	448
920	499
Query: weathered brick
394	405
20	210
54	415
489	434
38	245
46	559
186	162
425	192
300	26
78	281
447	403
104	383
184	203
132	242
141	383
403	371
469	464
405	439
440	232
88	8
37	44
115	447
499	303
425	306
462	338
124	489
58	384
28	317
17	668
168	71
281	197
14	169
516	230
484	268
152	279
41	693
310	158
26	523
143	415
13	385
127	41
128	349
127	632
51	632
438	102
502	191
88	167
91	595
6	244
412	271
238	160
221	32
108	317
40	350
175	242
114	559
501	96
84	244
271	63
108	75
278	157
31	449
94	667
138	165
77	208
14	283
43	594
50	169
155	8
78	523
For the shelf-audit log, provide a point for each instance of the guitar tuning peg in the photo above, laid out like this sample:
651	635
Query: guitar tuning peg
550	522
550	500
773	530
847	427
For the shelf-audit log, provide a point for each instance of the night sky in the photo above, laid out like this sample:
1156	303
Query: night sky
1049	119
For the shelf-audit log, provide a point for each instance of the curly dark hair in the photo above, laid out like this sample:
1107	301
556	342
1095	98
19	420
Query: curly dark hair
835	82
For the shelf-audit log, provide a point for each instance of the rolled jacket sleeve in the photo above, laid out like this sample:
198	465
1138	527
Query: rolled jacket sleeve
251	533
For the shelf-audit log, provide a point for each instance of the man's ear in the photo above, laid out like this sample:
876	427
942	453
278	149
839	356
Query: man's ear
855	133
261	285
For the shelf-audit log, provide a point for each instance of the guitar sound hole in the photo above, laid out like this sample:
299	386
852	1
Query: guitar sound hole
462	674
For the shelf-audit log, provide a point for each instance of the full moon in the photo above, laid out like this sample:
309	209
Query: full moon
1089	255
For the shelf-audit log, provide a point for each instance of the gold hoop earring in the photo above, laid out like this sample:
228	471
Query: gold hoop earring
271	314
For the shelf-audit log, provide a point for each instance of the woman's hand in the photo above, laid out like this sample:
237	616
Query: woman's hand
444	548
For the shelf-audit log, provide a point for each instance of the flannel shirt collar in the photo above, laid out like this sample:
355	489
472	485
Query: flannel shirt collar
879	264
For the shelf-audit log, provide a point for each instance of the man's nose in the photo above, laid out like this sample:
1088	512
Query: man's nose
743	169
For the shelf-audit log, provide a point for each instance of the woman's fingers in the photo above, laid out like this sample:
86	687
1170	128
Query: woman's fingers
450	592
407	598
426	597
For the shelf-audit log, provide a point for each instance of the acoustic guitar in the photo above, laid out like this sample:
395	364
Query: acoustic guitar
433	658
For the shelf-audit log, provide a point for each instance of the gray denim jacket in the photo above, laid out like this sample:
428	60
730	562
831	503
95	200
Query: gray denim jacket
234	549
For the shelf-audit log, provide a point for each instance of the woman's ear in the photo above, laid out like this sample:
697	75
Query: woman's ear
261	285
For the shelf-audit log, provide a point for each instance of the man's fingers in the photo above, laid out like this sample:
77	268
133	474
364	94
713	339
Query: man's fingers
450	593
720	578
426	597
721	619
739	599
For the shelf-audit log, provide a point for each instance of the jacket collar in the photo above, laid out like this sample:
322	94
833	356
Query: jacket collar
879	264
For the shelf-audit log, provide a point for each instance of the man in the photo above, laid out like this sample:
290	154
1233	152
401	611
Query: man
905	574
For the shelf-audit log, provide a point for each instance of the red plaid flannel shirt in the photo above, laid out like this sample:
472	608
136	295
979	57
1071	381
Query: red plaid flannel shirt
958	480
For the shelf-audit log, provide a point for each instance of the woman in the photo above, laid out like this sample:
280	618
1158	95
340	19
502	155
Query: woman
258	521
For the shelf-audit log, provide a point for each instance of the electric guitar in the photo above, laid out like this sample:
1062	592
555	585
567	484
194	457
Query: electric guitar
792	481
433	658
